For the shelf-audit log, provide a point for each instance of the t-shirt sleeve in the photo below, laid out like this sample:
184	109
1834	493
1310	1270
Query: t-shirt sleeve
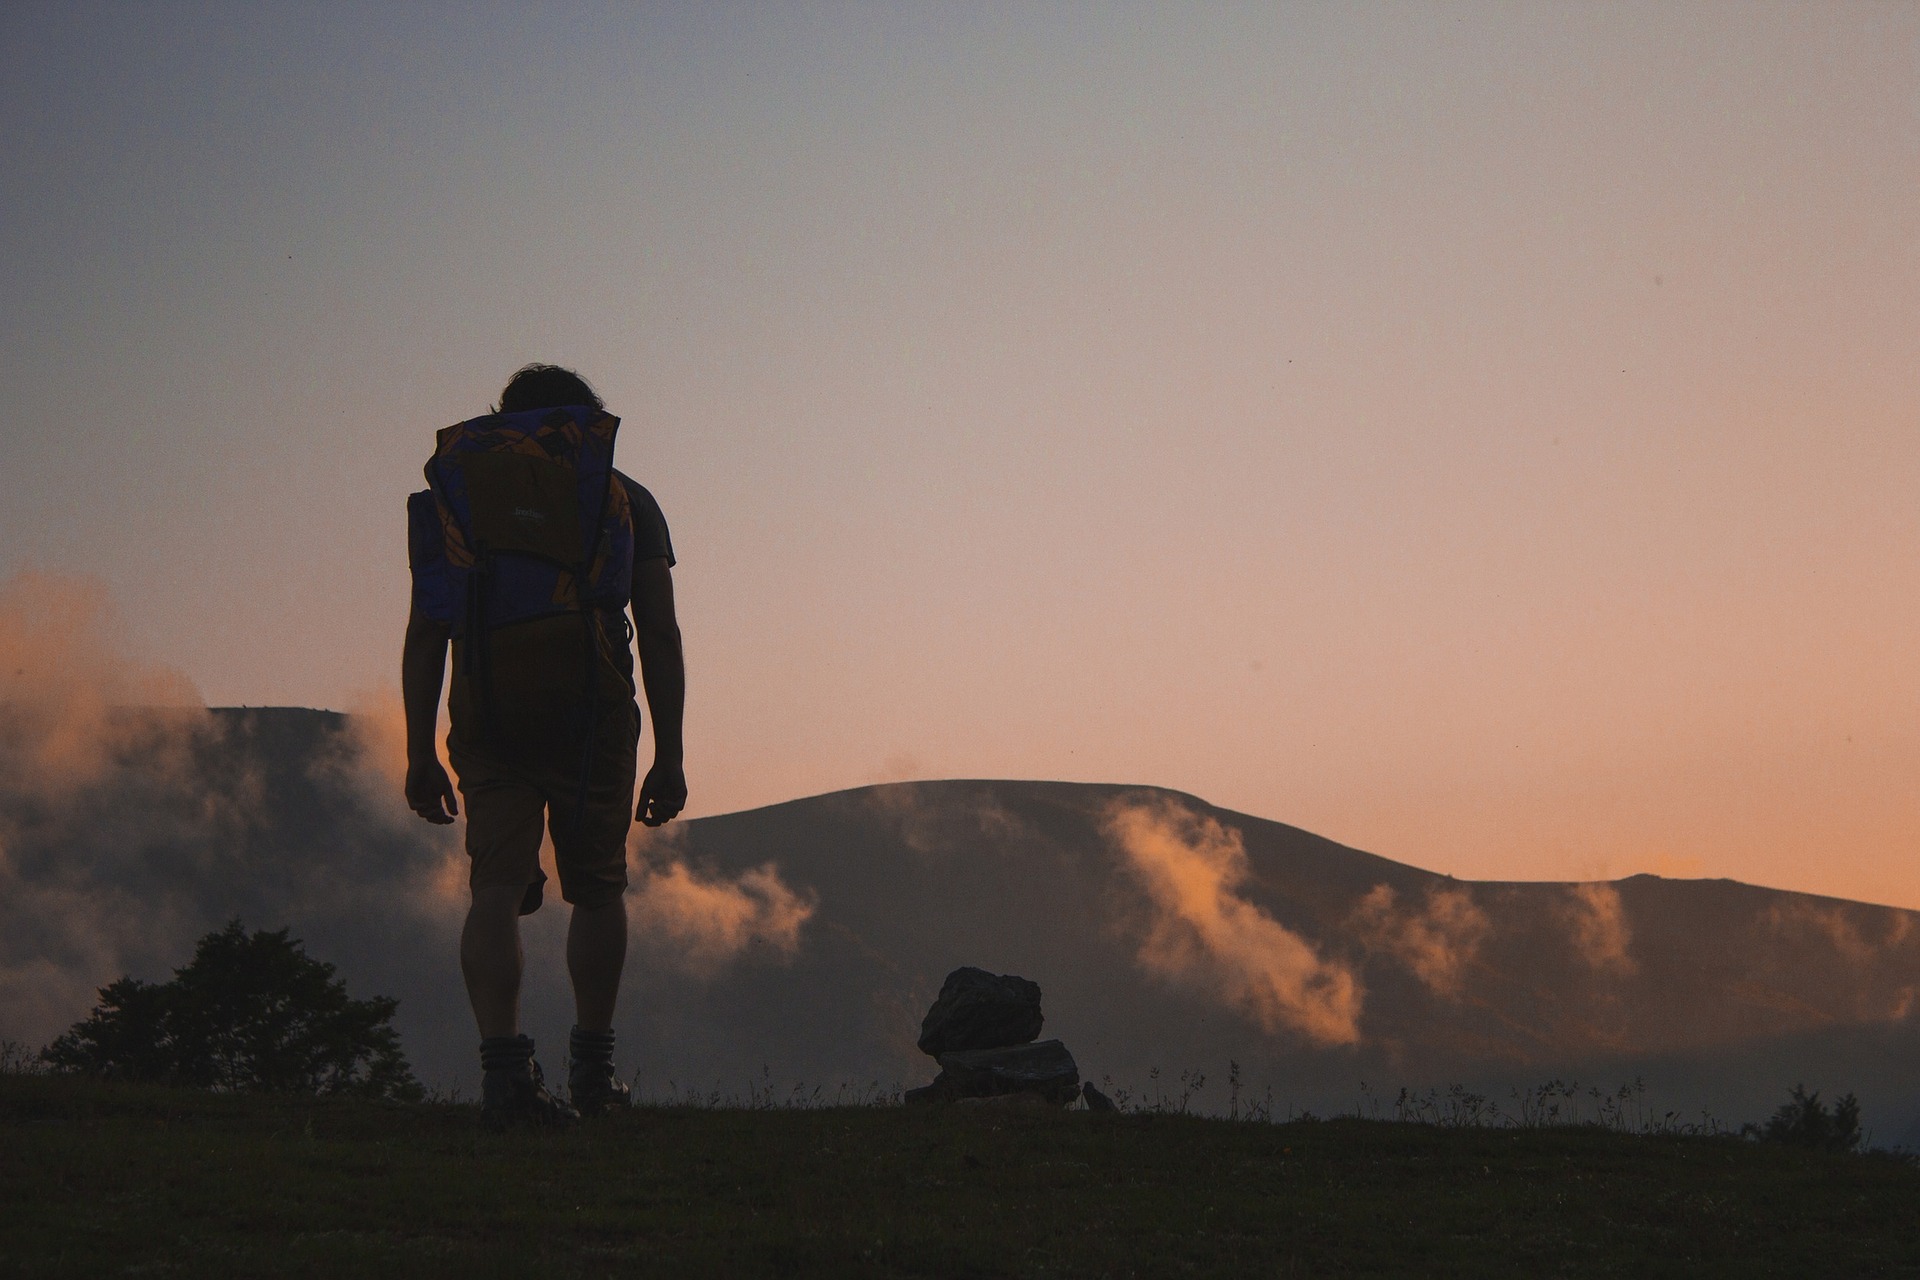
651	541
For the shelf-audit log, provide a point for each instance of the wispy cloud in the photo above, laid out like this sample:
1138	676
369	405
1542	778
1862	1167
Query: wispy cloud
932	829
73	699
1597	922
91	780
369	766
1205	934
1436	941
1859	935
133	819
700	920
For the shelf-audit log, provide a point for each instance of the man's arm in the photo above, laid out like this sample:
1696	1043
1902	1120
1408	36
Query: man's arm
423	665
663	673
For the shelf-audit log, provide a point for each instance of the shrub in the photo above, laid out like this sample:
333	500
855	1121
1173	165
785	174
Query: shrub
1805	1121
251	1012
16	1059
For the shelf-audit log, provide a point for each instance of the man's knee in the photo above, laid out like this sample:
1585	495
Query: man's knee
596	894
490	900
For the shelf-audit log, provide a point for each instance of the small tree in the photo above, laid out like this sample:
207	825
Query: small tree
1805	1121
250	1012
128	1035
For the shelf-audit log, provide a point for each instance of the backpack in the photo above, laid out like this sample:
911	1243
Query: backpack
522	546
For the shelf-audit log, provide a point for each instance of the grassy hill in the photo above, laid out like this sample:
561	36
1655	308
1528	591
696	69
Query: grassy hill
101	1179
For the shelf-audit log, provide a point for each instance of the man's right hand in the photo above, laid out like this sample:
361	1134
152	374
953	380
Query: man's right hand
430	792
663	794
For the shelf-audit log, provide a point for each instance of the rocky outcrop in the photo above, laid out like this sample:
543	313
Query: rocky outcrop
980	1030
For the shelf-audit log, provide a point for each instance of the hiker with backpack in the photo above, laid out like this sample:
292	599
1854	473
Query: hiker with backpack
527	550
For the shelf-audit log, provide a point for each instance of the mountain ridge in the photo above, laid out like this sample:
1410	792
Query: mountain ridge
809	935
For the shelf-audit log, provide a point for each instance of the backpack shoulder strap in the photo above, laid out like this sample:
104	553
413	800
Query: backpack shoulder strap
437	586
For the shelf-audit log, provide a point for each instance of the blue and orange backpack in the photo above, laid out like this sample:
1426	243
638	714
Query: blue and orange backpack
522	546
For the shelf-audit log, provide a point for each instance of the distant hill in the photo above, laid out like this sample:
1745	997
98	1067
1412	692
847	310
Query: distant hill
808	937
1720	994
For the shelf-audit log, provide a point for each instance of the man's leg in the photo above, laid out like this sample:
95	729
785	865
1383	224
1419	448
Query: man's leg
590	850
511	1089
596	954
491	958
505	819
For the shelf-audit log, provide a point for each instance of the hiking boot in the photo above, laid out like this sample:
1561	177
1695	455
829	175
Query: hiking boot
510	1098
592	1082
513	1090
598	1090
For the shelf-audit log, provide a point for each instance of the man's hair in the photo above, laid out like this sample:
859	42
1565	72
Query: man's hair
545	386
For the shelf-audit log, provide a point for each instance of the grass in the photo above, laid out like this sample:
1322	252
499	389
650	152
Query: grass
99	1179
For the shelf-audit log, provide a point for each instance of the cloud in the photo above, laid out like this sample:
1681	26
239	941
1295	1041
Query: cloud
133	820
700	921
1874	947
1437	942
1205	934
929	828
90	774
1846	931
72	699
368	763
1598	923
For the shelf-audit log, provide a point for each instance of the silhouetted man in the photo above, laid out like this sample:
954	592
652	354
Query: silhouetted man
526	550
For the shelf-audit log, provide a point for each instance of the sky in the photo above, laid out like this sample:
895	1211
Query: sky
1487	435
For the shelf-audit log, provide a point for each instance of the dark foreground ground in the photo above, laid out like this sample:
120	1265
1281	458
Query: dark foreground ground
99	1180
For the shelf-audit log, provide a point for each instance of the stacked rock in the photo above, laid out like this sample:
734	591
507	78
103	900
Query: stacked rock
981	1031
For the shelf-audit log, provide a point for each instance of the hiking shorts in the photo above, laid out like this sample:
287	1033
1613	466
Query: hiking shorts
510	804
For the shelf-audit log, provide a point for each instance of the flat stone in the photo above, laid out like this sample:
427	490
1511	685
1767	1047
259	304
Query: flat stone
940	1090
1045	1069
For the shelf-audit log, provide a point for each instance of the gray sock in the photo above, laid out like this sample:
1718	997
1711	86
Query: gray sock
586	1049
512	1054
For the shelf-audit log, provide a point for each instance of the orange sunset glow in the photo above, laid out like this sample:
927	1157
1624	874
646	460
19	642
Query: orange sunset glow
1485	435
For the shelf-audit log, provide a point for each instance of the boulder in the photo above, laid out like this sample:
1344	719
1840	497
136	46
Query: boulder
977	1010
941	1090
1045	1069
